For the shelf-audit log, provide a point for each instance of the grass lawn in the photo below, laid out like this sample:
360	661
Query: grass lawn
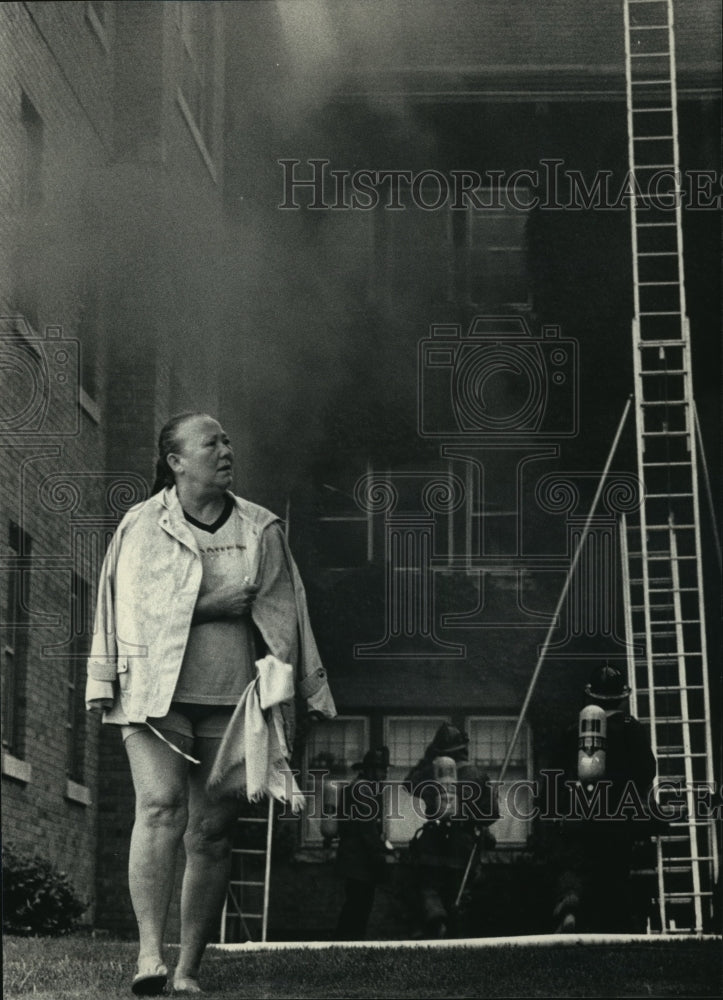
85	969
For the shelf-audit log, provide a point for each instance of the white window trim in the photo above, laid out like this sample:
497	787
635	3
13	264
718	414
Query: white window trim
441	719
438	720
196	133
524	734
14	767
77	793
307	839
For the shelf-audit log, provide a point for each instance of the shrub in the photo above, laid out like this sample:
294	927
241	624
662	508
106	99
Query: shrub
37	898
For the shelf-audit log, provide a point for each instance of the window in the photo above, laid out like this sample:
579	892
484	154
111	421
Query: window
197	69
407	738
332	750
15	642
489	740
490	253
80	618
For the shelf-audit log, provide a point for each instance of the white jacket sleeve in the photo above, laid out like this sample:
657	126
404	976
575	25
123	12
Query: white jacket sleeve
103	659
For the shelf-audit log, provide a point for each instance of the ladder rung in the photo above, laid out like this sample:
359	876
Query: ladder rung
672	720
673	896
248	850
681	867
667	312
252	819
655	225
661	343
677	824
248	883
663	402
658	253
674	621
655	166
663	688
253	916
665	371
649	55
688	653
666	465
647	83
648	27
665	433
649	111
678	751
658	496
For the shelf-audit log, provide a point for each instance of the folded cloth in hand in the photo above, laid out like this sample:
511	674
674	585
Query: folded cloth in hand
253	755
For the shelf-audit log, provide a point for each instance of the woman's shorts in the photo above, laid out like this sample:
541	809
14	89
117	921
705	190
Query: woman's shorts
209	721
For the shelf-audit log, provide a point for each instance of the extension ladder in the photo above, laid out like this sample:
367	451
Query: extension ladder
247	898
662	548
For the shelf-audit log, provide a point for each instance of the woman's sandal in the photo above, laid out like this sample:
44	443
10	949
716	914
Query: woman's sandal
150	981
186	984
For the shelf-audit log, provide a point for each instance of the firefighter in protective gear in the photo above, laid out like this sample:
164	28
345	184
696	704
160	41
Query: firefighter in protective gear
459	805
363	854
608	773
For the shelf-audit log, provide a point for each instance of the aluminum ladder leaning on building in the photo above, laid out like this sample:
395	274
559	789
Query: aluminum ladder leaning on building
242	896
665	612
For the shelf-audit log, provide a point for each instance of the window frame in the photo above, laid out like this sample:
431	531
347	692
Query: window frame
75	715
526	735
309	837
15	641
388	720
201	120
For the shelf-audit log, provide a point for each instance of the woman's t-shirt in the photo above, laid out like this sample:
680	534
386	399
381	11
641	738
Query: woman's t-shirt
219	659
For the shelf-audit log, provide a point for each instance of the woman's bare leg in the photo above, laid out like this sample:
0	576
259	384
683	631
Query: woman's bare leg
160	779
208	843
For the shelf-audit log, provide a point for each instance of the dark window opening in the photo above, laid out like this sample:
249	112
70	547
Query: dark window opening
80	617
15	642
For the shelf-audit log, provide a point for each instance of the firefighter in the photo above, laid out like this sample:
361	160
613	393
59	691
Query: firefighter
608	770
363	853
457	800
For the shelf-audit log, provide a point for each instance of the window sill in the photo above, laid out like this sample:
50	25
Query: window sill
196	133
13	767
88	405
77	793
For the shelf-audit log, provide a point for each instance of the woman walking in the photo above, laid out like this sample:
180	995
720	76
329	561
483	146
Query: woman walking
197	584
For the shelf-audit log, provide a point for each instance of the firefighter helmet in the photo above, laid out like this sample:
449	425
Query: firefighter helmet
448	740
607	683
374	760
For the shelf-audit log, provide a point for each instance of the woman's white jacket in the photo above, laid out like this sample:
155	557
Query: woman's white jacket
147	593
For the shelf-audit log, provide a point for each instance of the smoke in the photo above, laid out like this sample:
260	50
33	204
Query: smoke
312	351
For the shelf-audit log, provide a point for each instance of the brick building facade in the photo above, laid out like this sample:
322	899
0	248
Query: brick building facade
112	115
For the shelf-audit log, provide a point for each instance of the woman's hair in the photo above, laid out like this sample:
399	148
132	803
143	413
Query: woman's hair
167	443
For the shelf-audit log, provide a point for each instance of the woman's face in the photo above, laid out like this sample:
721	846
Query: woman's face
204	459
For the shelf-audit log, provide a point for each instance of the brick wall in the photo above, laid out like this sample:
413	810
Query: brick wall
52	460
99	90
